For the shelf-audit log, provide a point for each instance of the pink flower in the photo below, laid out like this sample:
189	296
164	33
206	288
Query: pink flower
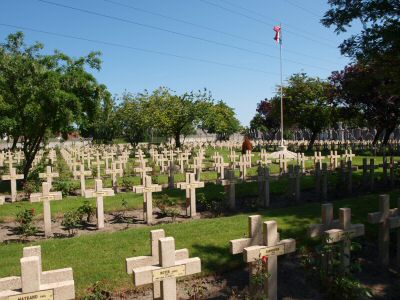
264	259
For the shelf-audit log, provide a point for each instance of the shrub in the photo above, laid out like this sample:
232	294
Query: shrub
86	209
166	206
127	182
71	221
214	205
25	220
97	292
67	187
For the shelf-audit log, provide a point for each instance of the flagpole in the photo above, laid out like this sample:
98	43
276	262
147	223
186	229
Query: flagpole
280	59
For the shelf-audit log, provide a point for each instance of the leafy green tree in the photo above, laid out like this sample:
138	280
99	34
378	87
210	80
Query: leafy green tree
173	115
134	117
221	120
306	104
267	118
105	126
43	95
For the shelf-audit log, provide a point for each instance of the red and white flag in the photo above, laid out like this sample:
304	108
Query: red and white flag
278	37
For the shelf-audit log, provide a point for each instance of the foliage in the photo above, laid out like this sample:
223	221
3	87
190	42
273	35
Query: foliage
196	289
120	216
215	205
127	182
25	220
71	221
365	90
97	292
86	209
267	118
106	125
53	92
324	263
166	205
306	101
220	119
66	187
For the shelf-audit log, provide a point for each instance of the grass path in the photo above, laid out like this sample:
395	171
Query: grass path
102	256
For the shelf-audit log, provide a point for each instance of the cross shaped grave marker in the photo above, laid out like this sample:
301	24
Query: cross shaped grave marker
283	163
242	167
172	168
321	181
369	179
232	157
220	166
382	218
317	230
49	175
198	166
99	193
264	241
168	269
348	155
10	161
142	169
190	186
34	283
333	159
181	160
318	159
301	160
248	156
344	233
264	158
395	224
153	259
82	173
46	197
294	176
13	177
114	171
263	185
147	189
161	162
107	157
229	184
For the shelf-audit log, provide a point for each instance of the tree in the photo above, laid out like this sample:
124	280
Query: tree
133	117
220	119
267	118
173	115
307	104
362	89
43	94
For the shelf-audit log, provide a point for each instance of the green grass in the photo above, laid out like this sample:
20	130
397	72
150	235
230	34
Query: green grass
102	255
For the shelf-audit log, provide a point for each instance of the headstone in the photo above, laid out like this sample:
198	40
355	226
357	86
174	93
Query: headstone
49	175
263	186
147	189
191	185
82	173
230	189
13	177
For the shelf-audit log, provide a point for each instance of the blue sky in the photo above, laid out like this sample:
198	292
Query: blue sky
228	32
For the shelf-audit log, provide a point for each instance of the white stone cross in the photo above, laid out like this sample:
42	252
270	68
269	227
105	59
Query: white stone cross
13	177
318	159
46	197
333	159
232	157
190	186
56	283
168	269
49	175
264	241
220	166
154	258
229	184
82	173
317	230
98	163
100	193
147	189
242	167
348	155
344	233
395	224
283	160
301	160
382	218
114	171
142	169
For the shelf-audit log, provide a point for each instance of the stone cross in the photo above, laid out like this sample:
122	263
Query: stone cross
264	242
13	177
263	185
98	163
318	158
395	224
99	193
46	197
153	259
49	175
344	233
369	179
229	184
82	173
220	166
10	161
198	166
348	155
317	230
232	157
57	284
242	167
295	176
142	169
114	171
301	160
190	186
147	189
168	269
382	218
333	159
172	168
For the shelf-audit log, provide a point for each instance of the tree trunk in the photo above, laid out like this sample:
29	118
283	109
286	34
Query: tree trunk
388	132
312	140
14	145
376	138
177	139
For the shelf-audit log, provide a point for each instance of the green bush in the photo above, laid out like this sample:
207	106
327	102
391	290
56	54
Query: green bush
66	187
214	205
71	221
127	182
25	220
86	209
166	205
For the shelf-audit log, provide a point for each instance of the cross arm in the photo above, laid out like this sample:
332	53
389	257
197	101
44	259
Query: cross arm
336	235
253	253
394	222
237	246
316	230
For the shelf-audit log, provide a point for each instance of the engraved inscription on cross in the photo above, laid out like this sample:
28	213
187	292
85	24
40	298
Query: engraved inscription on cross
100	193
147	189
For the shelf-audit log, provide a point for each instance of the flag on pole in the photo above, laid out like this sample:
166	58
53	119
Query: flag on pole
278	37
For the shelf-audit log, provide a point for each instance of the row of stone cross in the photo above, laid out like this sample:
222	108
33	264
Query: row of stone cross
165	264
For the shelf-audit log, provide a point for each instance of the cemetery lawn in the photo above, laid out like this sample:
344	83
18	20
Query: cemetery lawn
102	256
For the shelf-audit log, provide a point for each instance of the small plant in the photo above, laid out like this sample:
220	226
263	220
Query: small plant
120	217
97	292
127	182
67	187
214	205
25	219
173	213
196	289
257	280
165	204
71	222
324	263
86	209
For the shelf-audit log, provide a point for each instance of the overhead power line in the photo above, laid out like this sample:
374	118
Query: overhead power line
145	11
226	45
118	45
309	11
298	34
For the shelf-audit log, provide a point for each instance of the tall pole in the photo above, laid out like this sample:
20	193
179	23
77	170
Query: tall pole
280	59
